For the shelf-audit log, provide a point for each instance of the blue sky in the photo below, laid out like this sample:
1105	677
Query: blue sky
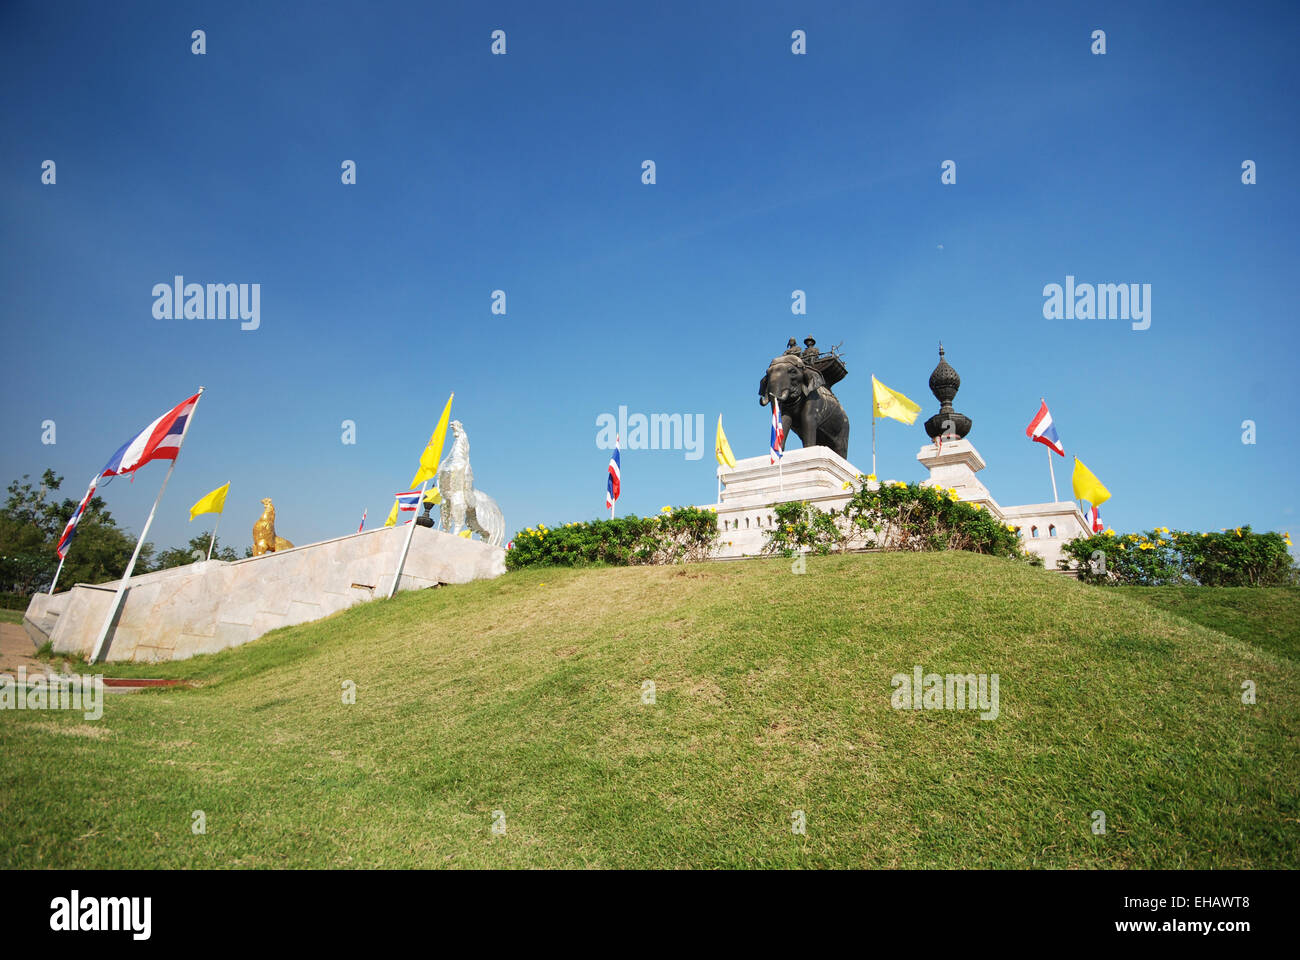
522	172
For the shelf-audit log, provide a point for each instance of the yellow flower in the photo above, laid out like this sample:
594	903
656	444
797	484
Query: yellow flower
1238	531
665	509
977	506
899	483
846	484
1110	532
871	478
1147	546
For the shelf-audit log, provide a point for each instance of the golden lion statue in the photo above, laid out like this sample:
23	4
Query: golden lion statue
264	538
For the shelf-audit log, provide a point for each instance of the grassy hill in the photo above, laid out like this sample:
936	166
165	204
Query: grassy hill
523	695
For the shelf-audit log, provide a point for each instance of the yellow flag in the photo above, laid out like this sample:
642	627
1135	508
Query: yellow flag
432	455
723	449
429	461
432	496
467	533
1087	486
891	403
214	502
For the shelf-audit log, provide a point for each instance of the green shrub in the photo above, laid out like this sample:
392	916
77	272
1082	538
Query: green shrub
897	516
1162	557
14	601
678	534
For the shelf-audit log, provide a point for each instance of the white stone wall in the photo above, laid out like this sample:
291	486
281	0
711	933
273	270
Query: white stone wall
212	605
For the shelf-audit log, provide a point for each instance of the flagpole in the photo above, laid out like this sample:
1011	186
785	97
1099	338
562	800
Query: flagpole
215	524
401	562
1052	470
126	577
873	442
59	571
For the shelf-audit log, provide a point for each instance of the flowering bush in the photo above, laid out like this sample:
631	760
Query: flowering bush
897	516
677	534
1235	557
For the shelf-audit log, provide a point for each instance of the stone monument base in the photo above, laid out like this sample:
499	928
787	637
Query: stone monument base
754	486
818	475
212	605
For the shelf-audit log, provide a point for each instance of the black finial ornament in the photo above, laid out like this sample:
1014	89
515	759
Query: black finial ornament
944	384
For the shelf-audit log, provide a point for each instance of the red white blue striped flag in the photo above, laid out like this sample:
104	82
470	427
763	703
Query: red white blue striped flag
71	528
778	435
614	482
161	440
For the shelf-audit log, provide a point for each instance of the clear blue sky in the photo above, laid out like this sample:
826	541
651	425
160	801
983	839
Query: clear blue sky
523	172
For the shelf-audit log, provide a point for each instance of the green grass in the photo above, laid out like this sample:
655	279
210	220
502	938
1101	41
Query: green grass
11	616
523	695
1268	617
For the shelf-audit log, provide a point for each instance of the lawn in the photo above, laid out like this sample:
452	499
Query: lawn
519	702
1268	617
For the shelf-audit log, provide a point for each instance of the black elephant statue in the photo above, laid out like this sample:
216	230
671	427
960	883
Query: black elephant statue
807	404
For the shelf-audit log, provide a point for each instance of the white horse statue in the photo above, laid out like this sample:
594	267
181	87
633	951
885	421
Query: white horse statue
463	506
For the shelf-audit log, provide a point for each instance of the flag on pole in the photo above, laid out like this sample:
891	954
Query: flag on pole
777	445
214	502
432	455
1042	430
723	449
614	483
429	460
71	528
1093	516
890	403
409	501
1087	486
161	440
361	526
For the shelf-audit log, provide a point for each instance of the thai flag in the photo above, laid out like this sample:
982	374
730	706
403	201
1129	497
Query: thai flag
362	525
161	440
1041	430
1093	516
778	435
71	528
408	501
614	484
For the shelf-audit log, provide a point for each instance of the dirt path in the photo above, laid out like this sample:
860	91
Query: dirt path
17	650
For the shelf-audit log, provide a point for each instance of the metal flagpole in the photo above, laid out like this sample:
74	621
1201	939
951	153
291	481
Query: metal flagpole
1052	470
401	562
126	577
214	532
873	441
58	571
